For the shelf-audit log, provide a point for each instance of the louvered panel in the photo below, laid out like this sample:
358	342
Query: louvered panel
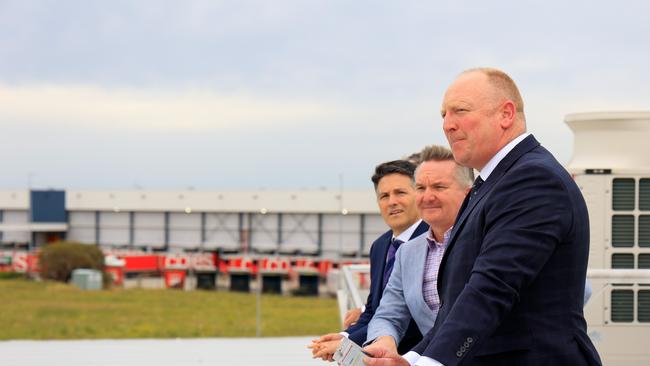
644	261
623	195
644	194
622	306
644	231
623	231
623	261
643	306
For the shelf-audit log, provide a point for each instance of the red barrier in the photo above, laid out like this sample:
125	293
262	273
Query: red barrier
32	262
242	264
175	279
204	262
273	264
324	266
117	273
176	261
138	261
142	263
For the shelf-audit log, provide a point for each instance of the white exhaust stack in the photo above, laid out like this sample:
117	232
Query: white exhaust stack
615	141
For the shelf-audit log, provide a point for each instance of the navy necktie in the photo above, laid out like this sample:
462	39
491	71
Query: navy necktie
390	260
475	187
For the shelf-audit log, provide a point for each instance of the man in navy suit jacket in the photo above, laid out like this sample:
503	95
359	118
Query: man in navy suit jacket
512	279
394	187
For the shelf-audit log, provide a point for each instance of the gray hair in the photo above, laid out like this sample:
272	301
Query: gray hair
464	175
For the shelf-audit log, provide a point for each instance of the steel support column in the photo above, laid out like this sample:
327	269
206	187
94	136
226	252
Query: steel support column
240	225
279	229
203	233
97	213
131	229
320	234
362	233
166	228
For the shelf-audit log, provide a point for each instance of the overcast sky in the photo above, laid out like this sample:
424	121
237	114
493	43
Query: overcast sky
277	94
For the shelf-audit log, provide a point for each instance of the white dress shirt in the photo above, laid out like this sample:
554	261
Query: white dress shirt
405	235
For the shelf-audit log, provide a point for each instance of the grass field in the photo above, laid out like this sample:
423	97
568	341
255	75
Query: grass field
48	310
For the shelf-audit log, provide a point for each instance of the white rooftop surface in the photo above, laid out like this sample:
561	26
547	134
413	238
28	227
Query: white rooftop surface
287	351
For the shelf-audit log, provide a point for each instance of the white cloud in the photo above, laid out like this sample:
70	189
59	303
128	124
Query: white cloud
76	105
286	93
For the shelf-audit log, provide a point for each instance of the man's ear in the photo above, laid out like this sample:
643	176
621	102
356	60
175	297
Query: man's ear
508	114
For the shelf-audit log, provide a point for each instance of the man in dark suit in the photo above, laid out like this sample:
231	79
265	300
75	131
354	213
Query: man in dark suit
512	279
394	187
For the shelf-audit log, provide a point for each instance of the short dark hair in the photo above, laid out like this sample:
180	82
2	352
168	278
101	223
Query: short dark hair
402	167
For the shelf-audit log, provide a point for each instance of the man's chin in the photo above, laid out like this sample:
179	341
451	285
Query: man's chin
396	223
396	218
459	153
429	218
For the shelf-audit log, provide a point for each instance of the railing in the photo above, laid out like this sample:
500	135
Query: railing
349	296
624	275
618	343
604	280
617	315
348	293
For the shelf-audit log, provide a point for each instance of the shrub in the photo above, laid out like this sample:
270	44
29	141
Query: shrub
58	260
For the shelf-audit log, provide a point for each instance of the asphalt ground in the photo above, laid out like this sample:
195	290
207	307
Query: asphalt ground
286	351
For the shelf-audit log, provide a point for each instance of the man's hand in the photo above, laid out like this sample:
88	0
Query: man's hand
386	343
383	357
351	317
329	337
325	346
326	350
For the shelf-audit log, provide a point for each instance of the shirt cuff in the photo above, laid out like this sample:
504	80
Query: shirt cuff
363	308
426	361
345	334
411	357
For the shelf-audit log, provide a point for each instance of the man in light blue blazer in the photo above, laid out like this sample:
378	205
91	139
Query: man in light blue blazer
441	185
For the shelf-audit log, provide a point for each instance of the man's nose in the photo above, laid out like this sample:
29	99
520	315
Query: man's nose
448	124
429	195
392	199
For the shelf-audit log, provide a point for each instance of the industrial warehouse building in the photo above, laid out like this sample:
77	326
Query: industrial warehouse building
328	224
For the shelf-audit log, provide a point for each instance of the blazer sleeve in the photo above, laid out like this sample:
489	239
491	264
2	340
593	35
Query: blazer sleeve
528	213
392	316
357	331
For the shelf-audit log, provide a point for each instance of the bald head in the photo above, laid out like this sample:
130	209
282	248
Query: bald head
482	111
503	86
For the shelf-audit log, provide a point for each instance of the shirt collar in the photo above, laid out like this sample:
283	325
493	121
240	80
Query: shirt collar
432	240
496	159
406	234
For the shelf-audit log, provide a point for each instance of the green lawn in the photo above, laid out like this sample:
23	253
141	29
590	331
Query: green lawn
47	310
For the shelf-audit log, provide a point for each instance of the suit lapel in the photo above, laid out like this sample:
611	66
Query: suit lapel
422	228
467	207
420	252
382	252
